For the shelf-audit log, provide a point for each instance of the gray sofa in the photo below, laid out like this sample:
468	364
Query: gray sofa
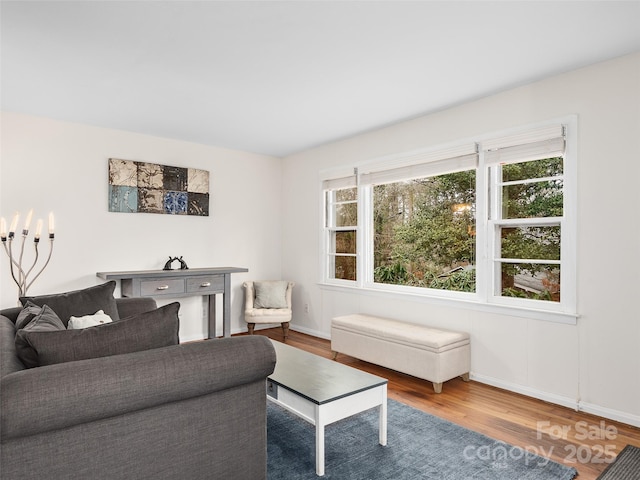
190	411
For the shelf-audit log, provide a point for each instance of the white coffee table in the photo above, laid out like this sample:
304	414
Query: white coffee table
322	391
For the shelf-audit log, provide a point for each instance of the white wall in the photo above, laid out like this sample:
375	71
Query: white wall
593	365
62	167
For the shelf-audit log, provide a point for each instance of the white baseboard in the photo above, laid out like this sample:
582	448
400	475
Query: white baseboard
611	414
234	331
528	391
201	336
308	331
191	338
568	402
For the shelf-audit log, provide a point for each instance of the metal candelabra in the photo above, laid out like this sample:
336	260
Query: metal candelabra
21	276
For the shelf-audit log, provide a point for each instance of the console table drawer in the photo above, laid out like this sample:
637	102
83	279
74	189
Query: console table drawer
205	284
169	286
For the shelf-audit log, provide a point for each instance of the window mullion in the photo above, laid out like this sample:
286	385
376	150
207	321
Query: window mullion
365	236
483	231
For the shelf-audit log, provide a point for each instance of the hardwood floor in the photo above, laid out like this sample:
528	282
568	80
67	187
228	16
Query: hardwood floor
577	439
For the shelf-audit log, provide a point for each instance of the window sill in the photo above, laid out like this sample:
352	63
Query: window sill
470	304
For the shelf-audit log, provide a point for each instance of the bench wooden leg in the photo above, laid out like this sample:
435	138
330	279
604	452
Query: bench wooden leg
251	326
334	355
465	377
437	387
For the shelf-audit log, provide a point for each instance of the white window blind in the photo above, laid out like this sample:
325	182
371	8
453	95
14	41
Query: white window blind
337	183
423	165
536	144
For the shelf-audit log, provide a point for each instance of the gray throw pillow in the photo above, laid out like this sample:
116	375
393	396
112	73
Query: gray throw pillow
155	329
27	314
44	322
270	294
80	302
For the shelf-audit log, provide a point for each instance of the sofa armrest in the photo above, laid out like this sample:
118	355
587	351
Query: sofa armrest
9	362
59	396
11	313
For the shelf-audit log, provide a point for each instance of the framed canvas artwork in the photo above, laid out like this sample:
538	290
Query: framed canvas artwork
142	187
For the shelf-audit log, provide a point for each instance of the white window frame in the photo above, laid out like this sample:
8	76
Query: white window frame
566	308
368	235
330	186
484	298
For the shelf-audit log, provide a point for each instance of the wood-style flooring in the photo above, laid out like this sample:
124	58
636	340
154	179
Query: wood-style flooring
577	439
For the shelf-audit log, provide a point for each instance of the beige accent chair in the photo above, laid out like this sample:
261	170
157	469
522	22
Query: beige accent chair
268	302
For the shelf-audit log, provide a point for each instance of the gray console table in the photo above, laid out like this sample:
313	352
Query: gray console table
182	283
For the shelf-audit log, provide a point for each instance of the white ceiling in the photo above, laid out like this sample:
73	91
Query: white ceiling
277	77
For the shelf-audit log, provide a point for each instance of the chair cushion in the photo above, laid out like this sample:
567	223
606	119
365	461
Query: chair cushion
80	302
145	331
270	294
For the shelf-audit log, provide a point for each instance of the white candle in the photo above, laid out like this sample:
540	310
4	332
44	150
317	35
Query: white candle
14	223
38	228
51	223
28	220
3	228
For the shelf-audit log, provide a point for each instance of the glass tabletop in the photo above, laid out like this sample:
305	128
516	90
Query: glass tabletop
318	379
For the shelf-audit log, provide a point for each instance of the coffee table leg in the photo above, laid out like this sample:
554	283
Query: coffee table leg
319	441
383	417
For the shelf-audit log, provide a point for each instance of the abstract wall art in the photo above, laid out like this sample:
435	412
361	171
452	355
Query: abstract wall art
142	187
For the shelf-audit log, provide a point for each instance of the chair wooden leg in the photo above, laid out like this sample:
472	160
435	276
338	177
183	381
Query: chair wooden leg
285	329
251	326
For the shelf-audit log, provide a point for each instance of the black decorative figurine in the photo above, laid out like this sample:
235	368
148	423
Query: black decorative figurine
183	264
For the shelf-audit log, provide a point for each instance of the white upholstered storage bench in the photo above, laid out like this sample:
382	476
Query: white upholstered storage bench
429	353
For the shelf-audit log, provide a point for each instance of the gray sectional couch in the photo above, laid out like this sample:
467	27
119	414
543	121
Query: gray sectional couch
190	411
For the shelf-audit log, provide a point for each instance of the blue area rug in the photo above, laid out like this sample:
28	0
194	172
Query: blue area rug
419	447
